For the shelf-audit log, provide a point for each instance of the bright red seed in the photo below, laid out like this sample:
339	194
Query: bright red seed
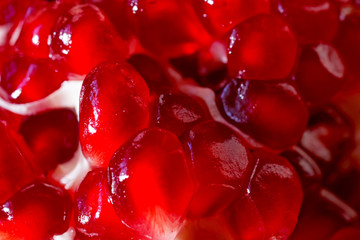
27	80
150	184
219	162
114	105
83	37
262	48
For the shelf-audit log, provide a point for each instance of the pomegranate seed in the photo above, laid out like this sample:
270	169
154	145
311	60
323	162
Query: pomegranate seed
271	113
313	21
219	16
115	10
150	184
207	66
114	105
309	172
322	68
27	80
152	72
94	213
167	28
52	136
35	33
38	211
15	168
347	41
329	137
275	188
322	214
244	219
178	112
219	162
262	47
83	37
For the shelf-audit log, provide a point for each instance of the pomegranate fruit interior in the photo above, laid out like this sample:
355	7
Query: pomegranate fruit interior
179	119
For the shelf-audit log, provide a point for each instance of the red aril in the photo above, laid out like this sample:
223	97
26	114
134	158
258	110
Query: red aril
207	66
115	10
152	72
219	162
329	136
83	37
322	214
35	32
168	28
347	41
320	73
178	112
38	211
261	47
114	105
271	113
245	220
276	191
150	184
26	80
53	137
16	170
94	212
307	169
313	21
219	16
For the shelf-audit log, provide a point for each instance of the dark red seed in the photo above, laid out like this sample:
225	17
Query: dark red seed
152	72
178	112
219	162
329	136
271	113
320	73
16	170
53	137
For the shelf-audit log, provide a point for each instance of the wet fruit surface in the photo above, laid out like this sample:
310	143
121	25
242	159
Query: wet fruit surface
150	184
179	120
271	113
27	80
114	105
49	208
83	37
262	48
220	163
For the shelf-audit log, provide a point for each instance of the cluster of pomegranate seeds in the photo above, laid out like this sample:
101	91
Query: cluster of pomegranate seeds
196	119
